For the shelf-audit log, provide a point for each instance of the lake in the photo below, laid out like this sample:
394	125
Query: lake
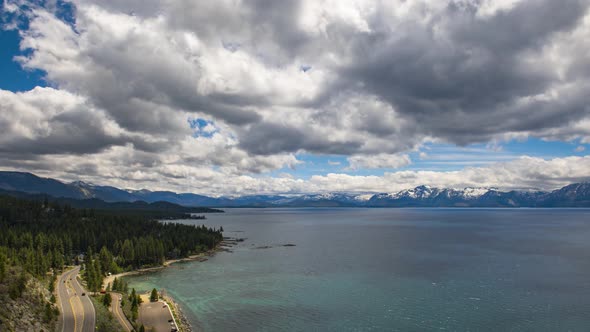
355	269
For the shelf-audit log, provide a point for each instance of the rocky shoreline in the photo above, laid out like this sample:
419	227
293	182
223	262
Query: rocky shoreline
181	319
202	257
183	322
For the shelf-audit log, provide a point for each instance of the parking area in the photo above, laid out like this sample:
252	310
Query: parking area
156	315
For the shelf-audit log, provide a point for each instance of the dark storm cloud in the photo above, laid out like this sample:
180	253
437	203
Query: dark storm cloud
48	121
143	92
285	138
447	71
459	75
464	127
272	138
74	132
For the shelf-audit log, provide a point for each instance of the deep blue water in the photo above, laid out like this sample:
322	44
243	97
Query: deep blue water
390	270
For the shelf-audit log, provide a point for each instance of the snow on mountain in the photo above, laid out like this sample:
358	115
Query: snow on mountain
363	197
427	192
573	195
418	192
86	189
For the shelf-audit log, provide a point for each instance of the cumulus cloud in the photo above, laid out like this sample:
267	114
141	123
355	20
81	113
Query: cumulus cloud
522	173
370	81
462	72
120	167
47	128
45	120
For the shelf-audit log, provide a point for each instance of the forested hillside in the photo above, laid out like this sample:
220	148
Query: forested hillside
38	238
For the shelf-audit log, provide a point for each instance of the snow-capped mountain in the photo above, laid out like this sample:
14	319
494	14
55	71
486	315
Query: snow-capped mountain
429	196
574	195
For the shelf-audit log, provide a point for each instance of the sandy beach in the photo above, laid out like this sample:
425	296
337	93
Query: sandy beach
201	257
181	319
198	257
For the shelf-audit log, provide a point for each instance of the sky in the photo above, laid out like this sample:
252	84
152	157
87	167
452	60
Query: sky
234	97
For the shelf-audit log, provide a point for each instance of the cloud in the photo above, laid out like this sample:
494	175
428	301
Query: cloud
48	128
522	173
126	168
466	78
47	121
460	72
370	81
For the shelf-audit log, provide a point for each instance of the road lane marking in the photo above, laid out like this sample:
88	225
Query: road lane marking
65	276
83	314
73	314
117	309
63	316
79	297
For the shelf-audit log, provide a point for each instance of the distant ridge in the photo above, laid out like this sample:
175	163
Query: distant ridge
158	209
573	195
32	184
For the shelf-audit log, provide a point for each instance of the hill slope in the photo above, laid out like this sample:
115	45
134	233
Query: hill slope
574	195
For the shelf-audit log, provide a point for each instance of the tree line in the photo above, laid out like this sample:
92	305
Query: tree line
42	236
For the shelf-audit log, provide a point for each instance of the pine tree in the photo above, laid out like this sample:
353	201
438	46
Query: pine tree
90	278
128	252
154	296
16	288
134	308
106	300
58	260
97	276
2	267
48	313
90	270
52	282
132	296
105	258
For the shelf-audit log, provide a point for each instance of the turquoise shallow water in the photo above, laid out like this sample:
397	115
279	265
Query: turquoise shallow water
390	270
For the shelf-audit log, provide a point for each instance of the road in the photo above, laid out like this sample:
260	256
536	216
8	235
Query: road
155	315
77	311
118	311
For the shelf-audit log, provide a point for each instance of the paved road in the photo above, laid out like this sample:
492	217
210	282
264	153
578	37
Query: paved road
118	311
77	311
155	315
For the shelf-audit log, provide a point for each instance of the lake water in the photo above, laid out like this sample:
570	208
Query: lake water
390	270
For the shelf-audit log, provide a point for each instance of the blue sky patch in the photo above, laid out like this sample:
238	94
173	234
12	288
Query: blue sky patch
14	77
202	127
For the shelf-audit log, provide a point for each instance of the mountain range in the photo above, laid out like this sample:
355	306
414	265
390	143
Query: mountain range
573	195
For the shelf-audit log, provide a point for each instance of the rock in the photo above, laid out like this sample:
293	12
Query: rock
263	247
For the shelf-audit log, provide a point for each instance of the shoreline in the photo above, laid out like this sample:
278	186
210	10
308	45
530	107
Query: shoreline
201	257
183	322
180	318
